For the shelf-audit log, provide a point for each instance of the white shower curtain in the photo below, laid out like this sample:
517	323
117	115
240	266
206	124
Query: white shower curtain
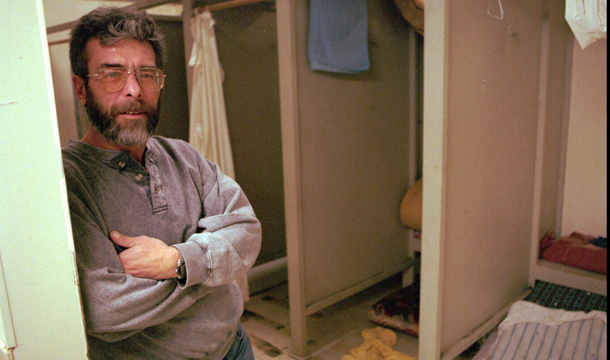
208	129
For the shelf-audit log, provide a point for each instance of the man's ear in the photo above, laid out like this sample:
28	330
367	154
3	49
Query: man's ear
79	88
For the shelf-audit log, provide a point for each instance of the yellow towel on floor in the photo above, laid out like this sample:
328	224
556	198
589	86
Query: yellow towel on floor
377	345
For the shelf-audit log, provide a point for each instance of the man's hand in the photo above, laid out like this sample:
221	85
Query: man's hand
146	257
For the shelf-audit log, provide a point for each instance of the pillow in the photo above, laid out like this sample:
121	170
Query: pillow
411	206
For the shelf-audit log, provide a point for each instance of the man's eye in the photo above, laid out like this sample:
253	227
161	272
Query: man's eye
147	75
112	74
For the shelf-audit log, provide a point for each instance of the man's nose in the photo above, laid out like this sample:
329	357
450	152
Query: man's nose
132	86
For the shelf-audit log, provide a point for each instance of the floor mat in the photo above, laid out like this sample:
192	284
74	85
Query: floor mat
398	310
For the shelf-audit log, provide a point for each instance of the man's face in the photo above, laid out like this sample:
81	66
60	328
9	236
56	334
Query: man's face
126	117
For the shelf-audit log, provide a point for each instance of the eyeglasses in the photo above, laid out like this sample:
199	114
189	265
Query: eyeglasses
113	79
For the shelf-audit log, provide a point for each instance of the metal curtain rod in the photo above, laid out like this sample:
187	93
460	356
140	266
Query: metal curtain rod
227	5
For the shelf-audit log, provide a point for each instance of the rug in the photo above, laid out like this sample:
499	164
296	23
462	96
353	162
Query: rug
398	310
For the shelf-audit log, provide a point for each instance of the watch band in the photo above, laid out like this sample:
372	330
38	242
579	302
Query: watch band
181	266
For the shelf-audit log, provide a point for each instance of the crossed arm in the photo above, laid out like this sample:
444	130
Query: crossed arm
146	257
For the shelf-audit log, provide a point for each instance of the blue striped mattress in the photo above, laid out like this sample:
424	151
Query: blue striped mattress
572	324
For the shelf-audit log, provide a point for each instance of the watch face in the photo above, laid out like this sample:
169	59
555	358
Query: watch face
181	269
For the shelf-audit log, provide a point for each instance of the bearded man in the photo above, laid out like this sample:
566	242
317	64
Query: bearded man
160	232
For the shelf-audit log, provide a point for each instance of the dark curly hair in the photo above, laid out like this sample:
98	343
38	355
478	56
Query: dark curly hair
111	24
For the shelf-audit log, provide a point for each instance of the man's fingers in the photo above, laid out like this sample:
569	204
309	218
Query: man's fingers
146	257
122	240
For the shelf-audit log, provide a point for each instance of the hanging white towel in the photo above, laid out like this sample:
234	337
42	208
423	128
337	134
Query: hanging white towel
588	20
208	129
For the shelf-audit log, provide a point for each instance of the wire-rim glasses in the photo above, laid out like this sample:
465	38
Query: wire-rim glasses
113	79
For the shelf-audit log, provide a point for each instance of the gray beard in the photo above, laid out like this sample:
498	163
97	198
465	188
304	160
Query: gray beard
135	133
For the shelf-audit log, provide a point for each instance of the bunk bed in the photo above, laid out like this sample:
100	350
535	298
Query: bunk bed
570	315
552	321
563	315
556	321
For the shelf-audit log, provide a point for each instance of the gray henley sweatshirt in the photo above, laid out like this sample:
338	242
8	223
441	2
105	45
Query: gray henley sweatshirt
184	200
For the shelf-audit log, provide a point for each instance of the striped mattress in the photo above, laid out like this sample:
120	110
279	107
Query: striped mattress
553	323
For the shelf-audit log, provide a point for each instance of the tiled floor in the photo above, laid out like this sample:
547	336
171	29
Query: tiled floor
332	332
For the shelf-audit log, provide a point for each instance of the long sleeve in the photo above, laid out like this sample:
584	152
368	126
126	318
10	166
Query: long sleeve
230	236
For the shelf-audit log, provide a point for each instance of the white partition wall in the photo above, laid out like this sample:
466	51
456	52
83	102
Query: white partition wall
346	165
41	310
494	95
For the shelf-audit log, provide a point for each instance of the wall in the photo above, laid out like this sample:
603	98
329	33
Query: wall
67	110
488	101
353	158
492	126
585	199
41	311
345	143
247	49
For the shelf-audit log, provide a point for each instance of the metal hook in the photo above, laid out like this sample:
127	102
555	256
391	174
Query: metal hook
501	17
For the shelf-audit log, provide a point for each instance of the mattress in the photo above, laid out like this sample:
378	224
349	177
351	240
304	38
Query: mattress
553	322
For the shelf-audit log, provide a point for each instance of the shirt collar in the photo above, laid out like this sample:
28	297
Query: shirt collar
116	158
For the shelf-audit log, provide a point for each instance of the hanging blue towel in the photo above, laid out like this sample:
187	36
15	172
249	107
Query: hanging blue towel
338	36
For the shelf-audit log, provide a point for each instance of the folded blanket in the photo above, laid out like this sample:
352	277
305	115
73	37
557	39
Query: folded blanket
576	251
338	36
562	297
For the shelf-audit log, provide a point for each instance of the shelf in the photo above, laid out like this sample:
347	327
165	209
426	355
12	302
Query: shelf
569	276
414	241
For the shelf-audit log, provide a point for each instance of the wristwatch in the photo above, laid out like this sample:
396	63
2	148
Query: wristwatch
181	266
